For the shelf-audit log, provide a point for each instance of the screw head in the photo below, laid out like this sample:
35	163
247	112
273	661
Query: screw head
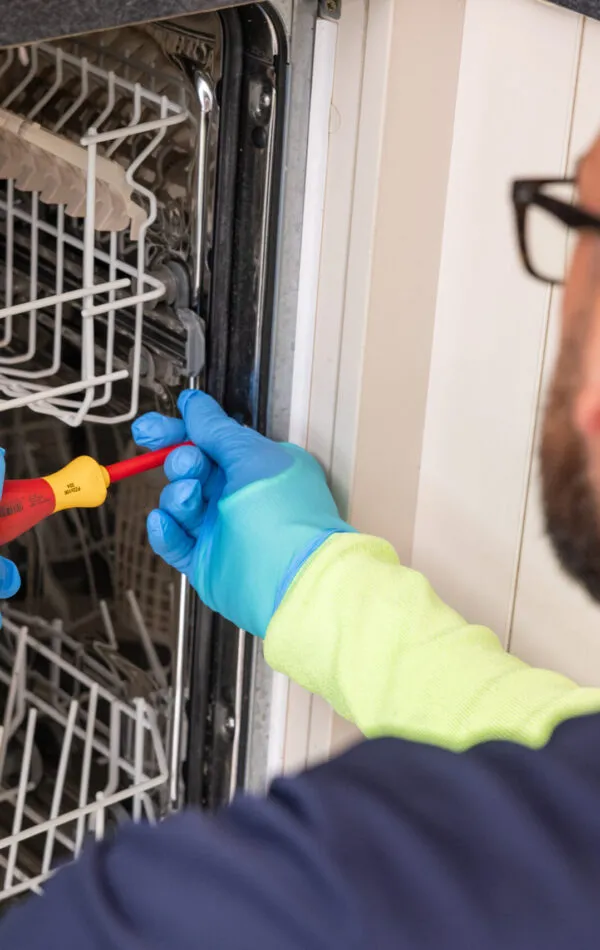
229	725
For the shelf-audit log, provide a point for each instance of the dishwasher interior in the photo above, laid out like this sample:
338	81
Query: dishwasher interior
140	171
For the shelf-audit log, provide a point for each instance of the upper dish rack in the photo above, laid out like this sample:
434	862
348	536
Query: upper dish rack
75	232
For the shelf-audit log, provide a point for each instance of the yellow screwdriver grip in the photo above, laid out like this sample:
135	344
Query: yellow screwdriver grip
80	484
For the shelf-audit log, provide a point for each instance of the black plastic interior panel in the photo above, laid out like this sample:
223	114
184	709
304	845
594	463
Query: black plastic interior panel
29	20
587	7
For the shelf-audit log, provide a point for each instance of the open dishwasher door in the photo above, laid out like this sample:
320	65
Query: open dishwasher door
140	201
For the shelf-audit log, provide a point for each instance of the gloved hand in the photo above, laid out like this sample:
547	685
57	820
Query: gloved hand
9	575
241	514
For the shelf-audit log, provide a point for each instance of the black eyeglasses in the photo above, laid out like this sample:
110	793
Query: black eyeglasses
547	224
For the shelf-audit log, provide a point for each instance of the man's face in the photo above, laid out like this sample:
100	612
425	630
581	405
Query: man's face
570	452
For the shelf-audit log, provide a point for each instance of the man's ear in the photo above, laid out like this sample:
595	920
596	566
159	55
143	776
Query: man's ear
587	411
588	178
586	406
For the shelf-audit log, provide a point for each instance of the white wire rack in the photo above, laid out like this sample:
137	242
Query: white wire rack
74	757
108	283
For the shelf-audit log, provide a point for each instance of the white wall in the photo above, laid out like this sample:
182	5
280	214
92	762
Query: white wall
513	116
478	532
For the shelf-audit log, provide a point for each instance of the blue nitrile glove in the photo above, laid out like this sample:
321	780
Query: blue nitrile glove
9	575
241	515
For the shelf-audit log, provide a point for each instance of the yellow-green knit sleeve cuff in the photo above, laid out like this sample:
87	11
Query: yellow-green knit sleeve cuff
303	636
373	639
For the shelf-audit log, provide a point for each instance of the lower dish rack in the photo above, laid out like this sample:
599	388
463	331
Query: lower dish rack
82	748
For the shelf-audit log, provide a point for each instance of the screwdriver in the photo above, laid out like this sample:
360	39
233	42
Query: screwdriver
83	483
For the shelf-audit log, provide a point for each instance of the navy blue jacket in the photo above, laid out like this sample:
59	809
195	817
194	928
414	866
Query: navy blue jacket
393	846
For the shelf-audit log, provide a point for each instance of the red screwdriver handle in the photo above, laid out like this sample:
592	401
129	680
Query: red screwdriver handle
81	484
24	503
140	463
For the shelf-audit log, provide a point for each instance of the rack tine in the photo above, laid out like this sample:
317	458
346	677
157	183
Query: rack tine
15	696
55	670
115	747
20	803
86	765
54	88
60	784
80	98
149	649
16	92
9	262
108	625
138	758
98	818
8	61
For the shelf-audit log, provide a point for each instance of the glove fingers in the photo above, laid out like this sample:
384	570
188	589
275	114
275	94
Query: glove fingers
9	578
224	440
183	501
170	541
187	462
155	431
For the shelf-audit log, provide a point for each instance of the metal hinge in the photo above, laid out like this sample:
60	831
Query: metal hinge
195	350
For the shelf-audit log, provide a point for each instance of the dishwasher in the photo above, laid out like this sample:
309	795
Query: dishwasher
142	181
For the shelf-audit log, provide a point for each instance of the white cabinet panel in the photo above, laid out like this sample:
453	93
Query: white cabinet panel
555	624
513	118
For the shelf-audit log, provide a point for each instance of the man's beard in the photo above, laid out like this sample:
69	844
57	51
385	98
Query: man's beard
569	499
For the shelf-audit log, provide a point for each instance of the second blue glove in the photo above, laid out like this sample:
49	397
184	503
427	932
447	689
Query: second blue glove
9	575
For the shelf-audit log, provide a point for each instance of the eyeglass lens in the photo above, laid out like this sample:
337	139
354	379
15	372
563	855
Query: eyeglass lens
549	242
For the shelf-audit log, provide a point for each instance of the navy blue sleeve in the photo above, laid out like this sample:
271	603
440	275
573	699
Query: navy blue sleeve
393	846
